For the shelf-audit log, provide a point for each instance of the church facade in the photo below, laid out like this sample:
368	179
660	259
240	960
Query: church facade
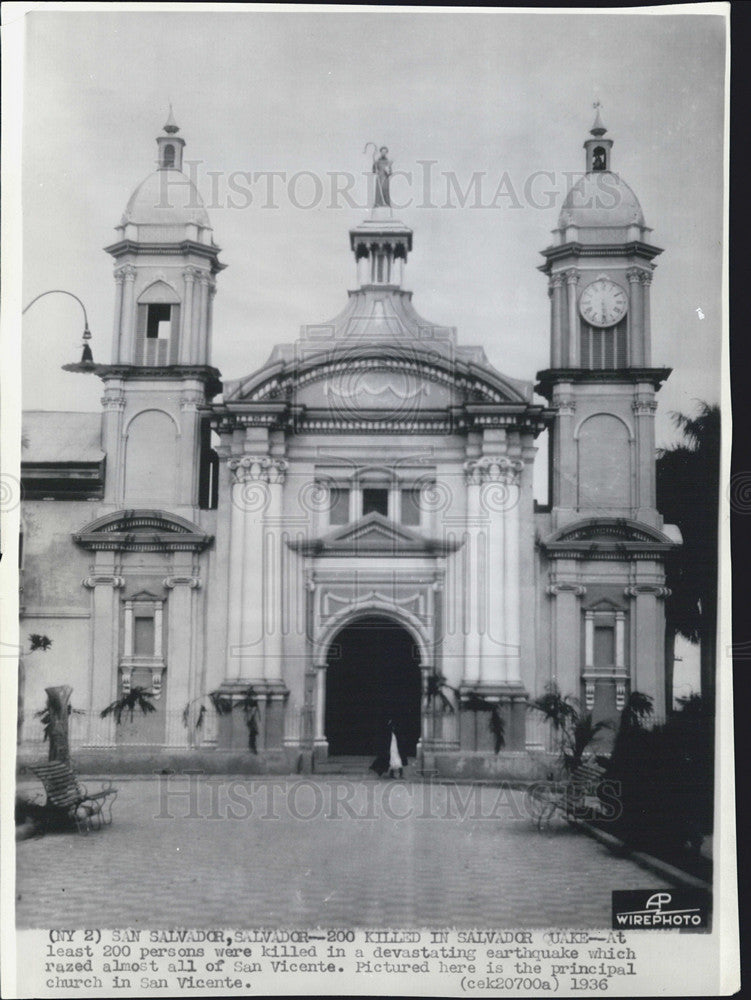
290	560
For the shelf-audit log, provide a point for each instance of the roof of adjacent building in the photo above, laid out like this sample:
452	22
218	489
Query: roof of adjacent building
57	436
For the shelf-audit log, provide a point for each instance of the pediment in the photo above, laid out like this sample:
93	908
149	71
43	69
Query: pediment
373	535
603	535
142	530
145	596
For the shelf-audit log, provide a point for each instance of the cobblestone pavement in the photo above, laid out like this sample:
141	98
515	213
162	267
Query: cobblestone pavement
208	852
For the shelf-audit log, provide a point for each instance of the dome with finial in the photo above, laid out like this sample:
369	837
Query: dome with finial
600	207
167	201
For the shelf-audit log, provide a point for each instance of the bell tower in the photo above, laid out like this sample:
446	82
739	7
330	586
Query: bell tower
600	381
160	379
603	542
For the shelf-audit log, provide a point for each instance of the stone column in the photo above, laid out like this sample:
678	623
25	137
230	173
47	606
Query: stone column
565	473
113	405
200	319
555	291
273	584
572	280
494	501
105	621
320	743
565	632
648	649
272	571
181	612
115	355
636	320
234	589
246	659
127	339
646	281
512	567
644	408
204	357
187	489
474	585
186	333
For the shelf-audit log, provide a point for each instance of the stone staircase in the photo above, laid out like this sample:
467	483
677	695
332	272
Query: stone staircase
352	766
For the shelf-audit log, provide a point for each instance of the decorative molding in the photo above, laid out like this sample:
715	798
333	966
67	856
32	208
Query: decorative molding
565	407
620	695
563	587
155	664
103	579
126	272
414	603
644	407
191	399
606	538
653	589
142	531
258	468
113	399
589	695
572	277
637	275
374	535
170	582
492	469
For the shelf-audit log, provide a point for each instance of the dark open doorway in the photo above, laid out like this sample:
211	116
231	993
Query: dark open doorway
373	675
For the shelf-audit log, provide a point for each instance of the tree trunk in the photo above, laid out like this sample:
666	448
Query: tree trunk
58	707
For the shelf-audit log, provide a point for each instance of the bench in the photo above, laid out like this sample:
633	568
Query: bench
68	798
575	795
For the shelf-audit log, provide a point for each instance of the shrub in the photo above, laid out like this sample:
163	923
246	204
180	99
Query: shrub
666	776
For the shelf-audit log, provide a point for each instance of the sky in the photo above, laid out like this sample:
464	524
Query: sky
508	95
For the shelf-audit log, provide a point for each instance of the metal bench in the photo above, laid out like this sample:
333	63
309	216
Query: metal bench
68	798
574	794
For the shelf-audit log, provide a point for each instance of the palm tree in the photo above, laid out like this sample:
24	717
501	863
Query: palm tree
575	730
137	697
688	478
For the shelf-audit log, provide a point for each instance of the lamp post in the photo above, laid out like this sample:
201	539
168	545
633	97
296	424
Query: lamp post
86	363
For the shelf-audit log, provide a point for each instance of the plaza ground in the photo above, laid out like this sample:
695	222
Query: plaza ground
296	853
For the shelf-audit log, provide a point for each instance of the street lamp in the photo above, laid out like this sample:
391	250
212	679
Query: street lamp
86	363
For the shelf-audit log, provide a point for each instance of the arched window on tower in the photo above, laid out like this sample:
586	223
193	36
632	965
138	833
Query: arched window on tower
599	158
158	326
169	156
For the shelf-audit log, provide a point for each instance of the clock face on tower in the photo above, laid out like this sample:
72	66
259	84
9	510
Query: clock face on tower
603	303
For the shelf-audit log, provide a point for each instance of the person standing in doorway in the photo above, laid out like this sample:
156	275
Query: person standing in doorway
396	764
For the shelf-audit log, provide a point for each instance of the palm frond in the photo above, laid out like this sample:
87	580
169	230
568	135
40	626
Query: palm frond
37	641
137	697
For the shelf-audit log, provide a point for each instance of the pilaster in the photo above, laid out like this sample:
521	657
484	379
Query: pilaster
572	283
104	582
182	586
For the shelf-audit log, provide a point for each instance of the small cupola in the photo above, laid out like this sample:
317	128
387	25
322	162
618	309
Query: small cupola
598	148
170	145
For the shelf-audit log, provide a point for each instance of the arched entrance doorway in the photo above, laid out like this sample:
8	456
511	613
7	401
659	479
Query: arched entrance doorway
373	675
